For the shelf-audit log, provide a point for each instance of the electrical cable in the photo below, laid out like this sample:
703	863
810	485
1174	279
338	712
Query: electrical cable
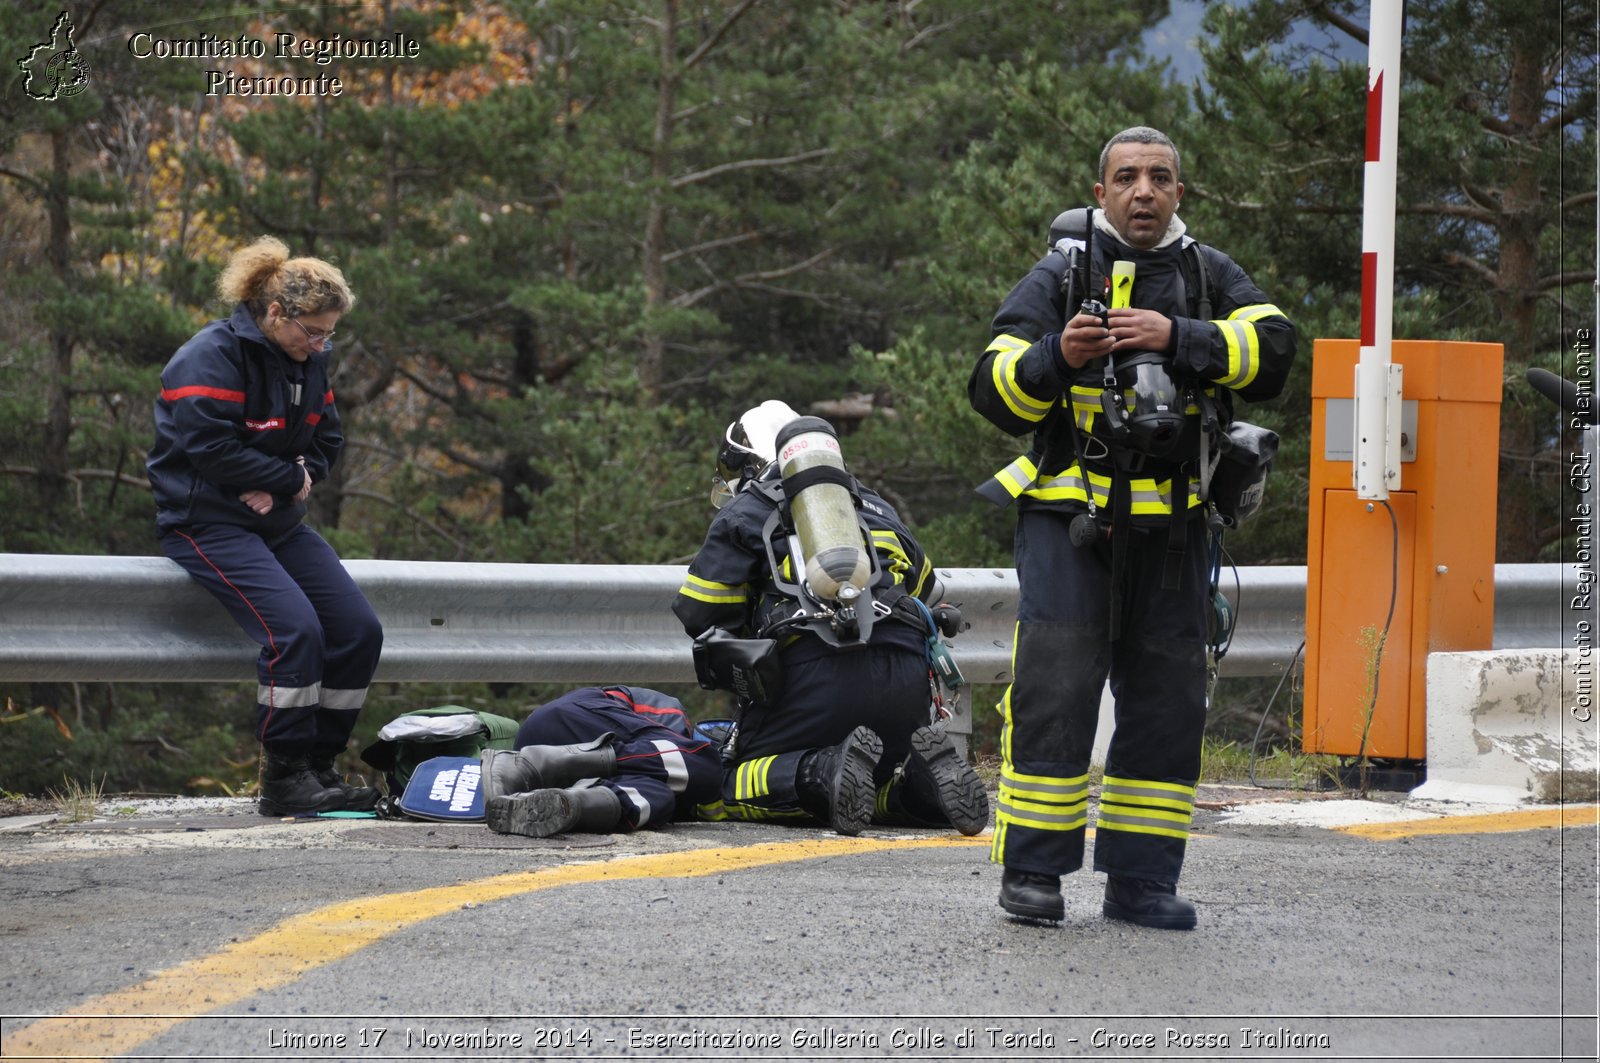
1251	767
1238	598
1383	637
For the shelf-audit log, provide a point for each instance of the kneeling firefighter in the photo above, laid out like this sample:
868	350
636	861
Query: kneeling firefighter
811	600
1134	466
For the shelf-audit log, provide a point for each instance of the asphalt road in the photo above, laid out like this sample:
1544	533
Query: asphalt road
219	935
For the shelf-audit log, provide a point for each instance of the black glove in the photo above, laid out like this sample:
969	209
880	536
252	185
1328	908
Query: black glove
948	617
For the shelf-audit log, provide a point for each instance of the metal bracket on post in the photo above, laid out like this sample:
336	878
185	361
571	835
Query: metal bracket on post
1392	429
1377	410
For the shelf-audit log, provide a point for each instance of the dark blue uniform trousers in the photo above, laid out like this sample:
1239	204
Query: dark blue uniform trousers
319	638
1064	653
662	773
825	697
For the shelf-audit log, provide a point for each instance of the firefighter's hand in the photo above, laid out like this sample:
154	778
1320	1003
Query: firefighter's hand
305	488
1083	340
948	619
1135	330
259	501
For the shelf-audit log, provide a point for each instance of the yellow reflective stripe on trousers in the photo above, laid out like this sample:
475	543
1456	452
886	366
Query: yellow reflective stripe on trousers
1008	352
704	590
1141	806
750	781
1043	802
720	812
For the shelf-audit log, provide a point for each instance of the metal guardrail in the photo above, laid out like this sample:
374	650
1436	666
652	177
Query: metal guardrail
141	619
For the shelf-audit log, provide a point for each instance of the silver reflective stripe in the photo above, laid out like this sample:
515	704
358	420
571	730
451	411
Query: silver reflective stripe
343	699
1174	823
635	799
672	761
289	697
1148	793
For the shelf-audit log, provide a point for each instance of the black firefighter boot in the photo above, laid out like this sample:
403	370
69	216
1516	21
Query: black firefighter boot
357	798
936	773
515	771
1029	895
592	809
835	784
1157	904
290	787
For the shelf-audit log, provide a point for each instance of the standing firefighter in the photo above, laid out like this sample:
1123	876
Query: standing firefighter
246	426
812	601
1128	405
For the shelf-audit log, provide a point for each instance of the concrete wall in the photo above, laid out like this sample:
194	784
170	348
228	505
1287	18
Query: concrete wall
1512	725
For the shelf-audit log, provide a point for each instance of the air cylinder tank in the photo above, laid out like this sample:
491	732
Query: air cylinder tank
824	514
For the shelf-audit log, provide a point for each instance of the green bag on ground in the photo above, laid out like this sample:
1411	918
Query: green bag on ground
442	731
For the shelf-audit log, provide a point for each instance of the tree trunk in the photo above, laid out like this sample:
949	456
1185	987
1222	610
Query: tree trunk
516	469
1518	533
655	226
55	461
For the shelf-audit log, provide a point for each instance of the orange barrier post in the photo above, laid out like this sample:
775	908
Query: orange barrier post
1441	572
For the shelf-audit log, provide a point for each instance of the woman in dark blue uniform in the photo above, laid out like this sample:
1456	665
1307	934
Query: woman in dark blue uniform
246	427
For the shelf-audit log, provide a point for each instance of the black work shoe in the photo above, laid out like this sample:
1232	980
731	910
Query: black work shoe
1155	904
356	798
840	777
936	766
289	787
1028	895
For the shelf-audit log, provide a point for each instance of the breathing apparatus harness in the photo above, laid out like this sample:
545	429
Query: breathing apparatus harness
832	570
1144	408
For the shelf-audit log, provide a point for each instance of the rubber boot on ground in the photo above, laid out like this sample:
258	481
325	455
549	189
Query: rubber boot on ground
541	813
516	771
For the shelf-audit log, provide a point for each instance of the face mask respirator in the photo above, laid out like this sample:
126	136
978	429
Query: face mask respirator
1142	403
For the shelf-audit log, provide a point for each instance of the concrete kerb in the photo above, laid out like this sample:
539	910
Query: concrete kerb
1510	726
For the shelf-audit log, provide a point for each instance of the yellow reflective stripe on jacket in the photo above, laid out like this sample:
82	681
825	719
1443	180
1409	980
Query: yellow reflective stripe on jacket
922	577
1085	406
1140	806
1018	476
1008	352
1042	802
1149	497
713	593
1244	347
899	562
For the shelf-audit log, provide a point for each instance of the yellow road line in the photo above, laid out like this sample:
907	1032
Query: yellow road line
119	1022
1532	819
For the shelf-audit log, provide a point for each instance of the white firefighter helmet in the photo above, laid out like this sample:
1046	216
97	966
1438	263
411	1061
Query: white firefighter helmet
749	446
